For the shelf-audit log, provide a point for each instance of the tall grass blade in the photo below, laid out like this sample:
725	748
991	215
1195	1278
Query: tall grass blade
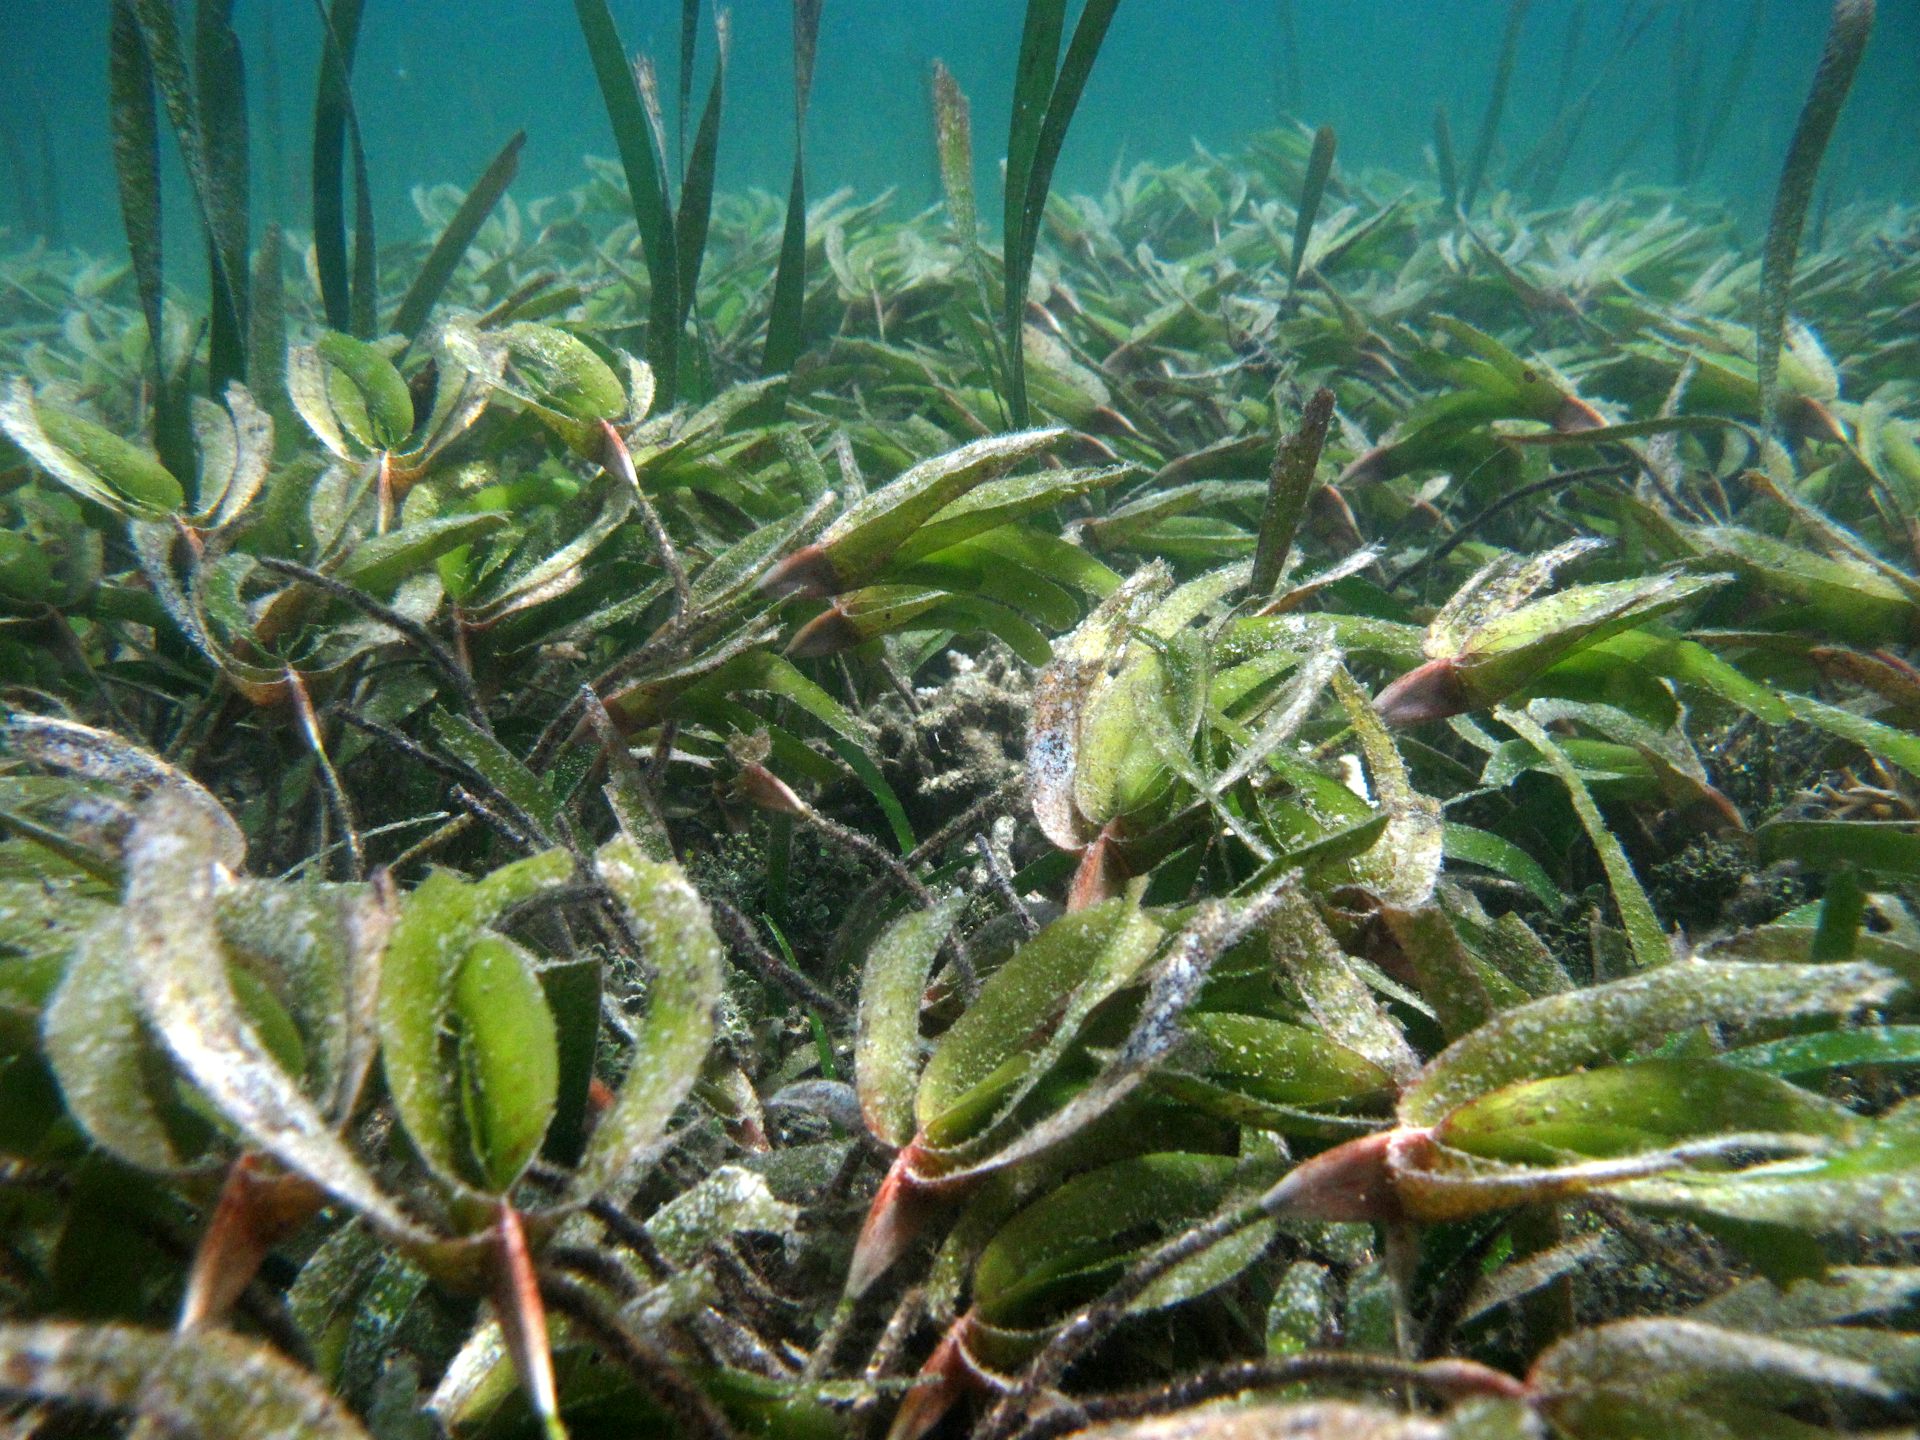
135	120
646	183
689	49
221	90
953	139
1033	83
411	318
340	34
1496	104
1295	460
787	319
363	297
267	321
221	211
697	172
1846	42
1313	189
1543	166
1028	186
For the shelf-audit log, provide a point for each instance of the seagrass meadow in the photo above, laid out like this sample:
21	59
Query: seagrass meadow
1279	797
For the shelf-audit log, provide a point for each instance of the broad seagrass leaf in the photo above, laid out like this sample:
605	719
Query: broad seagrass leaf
988	1058
133	772
103	1057
206	1383
379	564
438	926
1070	1244
1560	1033
1498	588
1274	1061
1643	1105
1871	1187
236	448
324	942
509	1057
172	875
1403	868
887	1049
672	1042
87	458
1670	1359
1511	649
1064	694
555	375
857	545
351	396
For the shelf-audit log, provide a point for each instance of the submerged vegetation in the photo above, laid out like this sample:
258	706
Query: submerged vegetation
1289	803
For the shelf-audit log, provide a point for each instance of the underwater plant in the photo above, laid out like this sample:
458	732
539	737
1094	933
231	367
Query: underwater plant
1288	803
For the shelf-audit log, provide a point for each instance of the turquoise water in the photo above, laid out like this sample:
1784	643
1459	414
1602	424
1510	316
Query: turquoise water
441	83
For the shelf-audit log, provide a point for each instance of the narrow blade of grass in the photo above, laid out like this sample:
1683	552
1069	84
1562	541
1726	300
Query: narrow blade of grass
221	93
1028	186
1313	189
953	139
340	34
1644	935
1496	105
696	186
222	213
646	183
445	256
1295	460
135	121
267	322
787	318
689	50
1846	43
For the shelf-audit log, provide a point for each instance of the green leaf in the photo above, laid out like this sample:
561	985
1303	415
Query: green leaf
87	458
207	1382
94	1039
1626	1109
1880	847
1834	1050
1560	1033
1287	1064
188	998
509	1057
438	926
1644	933
887	1046
671	1043
1071	1244
1503	857
989	1059
352	385
377	566
430	281
860	542
502	770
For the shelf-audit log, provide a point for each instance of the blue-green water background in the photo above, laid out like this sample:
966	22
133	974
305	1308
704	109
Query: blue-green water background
440	84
